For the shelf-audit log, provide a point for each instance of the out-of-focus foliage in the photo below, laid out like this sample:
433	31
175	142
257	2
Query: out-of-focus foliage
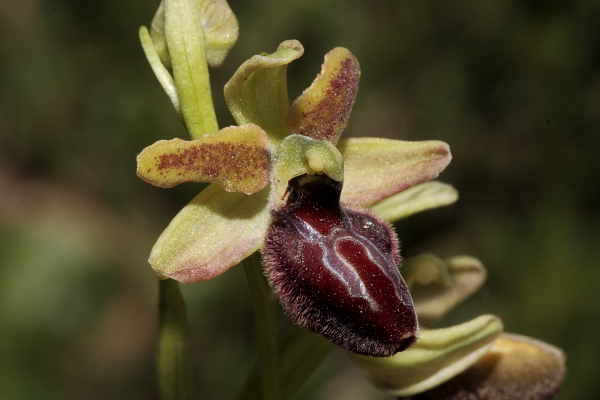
512	86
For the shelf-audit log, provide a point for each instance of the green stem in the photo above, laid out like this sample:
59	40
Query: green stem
300	353
265	317
173	366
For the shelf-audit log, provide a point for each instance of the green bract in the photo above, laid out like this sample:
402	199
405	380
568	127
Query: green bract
187	36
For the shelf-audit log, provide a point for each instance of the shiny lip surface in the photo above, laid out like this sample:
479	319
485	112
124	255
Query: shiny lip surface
336	270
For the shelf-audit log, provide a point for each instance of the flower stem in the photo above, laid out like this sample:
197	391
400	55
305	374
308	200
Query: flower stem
300	353
265	317
286	359
173	366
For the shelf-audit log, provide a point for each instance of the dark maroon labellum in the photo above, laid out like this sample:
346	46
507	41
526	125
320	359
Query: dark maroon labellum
336	270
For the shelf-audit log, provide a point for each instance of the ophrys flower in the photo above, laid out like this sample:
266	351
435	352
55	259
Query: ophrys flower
287	163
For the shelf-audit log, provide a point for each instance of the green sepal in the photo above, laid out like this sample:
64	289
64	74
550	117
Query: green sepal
212	233
377	168
257	92
515	368
418	198
437	285
439	355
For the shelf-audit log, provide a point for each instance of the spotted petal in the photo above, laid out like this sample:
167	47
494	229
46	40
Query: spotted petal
257	92
322	111
237	159
375	169
213	232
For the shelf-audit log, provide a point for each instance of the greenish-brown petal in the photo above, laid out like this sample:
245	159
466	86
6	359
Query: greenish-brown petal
220	27
257	92
418	198
322	111
375	168
437	285
212	233
439	355
237	159
515	368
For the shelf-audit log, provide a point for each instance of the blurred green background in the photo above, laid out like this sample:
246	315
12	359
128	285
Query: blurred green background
513	86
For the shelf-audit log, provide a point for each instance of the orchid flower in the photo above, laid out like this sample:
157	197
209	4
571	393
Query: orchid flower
317	206
228	220
279	154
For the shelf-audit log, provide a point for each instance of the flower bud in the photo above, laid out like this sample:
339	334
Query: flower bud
336	272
